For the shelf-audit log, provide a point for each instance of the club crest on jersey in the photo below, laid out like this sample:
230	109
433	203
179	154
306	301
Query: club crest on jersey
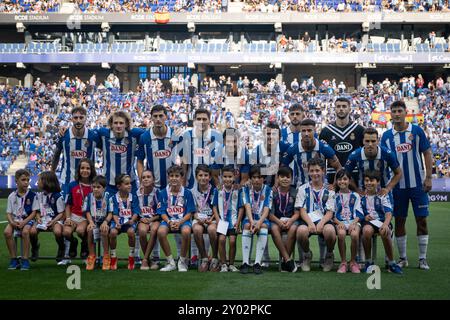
126	141
352	201
162	154
411	137
333	137
379	164
78	154
28	202
352	136
404	147
118	148
87	143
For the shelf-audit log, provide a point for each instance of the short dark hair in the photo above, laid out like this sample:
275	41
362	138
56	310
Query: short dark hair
295	107
202	167
79	110
284	172
202	110
342	99
21	172
316	162
274	126
308	122
370	130
91	165
372	174
158	108
255	170
398	103
230	131
175	169
120	178
228	168
101	180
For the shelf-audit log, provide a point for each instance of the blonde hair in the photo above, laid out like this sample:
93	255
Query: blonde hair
120	114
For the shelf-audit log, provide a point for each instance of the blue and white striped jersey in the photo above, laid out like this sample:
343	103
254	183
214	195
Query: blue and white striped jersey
408	146
384	160
160	154
119	153
74	149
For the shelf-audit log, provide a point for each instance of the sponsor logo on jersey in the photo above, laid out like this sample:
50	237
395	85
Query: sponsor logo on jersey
174	211
125	212
118	148
343	147
201	152
78	154
404	147
162	154
147	211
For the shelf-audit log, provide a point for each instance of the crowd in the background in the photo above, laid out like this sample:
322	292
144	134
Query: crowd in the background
32	116
30	6
214	6
345	5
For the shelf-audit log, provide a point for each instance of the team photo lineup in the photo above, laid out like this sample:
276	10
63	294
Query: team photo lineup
202	181
231	150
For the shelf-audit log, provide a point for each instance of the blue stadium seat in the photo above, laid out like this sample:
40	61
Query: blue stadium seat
396	47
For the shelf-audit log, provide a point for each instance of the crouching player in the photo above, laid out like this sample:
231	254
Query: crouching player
257	200
126	211
284	219
377	219
316	206
227	208
21	210
175	206
96	210
204	220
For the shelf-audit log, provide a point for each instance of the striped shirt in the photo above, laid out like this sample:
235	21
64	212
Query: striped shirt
311	199
257	200
291	138
198	149
74	149
376	206
299	155
119	153
408	146
348	207
159	154
383	161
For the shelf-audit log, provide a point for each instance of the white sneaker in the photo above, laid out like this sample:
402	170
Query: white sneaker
169	267
403	263
423	264
232	268
182	267
224	268
64	262
306	264
265	265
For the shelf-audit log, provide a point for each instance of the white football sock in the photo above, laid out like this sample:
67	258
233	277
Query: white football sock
261	245
246	246
401	244
423	246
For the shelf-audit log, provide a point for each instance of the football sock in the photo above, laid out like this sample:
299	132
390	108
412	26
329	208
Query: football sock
246	243
401	244
131	252
423	246
261	245
113	253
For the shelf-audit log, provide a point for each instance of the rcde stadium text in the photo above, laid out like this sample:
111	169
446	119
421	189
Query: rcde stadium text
227	309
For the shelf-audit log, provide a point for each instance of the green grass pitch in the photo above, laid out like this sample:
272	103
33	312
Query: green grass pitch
45	280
